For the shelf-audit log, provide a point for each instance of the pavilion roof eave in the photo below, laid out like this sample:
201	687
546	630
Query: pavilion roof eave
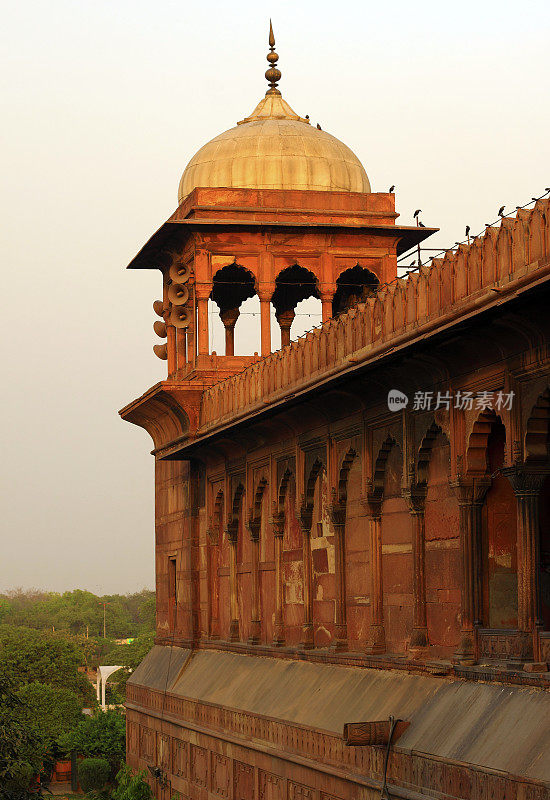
147	258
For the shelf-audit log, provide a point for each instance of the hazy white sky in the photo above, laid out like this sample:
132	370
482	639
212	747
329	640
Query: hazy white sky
103	105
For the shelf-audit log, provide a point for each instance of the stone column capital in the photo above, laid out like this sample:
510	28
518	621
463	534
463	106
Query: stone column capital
278	523
202	290
526	479
229	317
253	526
415	495
471	491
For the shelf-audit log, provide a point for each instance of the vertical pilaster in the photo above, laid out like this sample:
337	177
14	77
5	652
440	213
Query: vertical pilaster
471	493
255	622
416	497
527	482
234	634
377	635
278	522
338	519
304	518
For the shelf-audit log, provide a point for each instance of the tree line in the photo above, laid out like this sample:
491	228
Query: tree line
50	643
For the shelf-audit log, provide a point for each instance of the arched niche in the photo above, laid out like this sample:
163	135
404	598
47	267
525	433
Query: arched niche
353	286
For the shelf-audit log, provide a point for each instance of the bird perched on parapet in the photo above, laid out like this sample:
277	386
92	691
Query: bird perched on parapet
501	211
467	230
421	225
307	116
319	127
392	189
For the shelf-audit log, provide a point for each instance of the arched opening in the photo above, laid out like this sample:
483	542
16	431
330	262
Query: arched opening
499	539
353	286
292	286
232	286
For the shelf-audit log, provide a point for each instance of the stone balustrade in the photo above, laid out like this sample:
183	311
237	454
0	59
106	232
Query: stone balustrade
438	293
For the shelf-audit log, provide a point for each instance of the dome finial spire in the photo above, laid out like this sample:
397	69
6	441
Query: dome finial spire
272	74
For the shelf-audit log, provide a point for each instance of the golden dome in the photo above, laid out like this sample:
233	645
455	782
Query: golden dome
274	148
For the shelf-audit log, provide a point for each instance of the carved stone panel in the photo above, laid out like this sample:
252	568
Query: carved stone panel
163	751
298	792
243	781
180	756
271	787
513	645
199	765
220	771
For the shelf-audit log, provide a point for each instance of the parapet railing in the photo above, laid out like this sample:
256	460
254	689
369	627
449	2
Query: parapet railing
472	272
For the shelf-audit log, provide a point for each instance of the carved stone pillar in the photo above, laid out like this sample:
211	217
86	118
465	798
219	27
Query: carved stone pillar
229	319
377	637
285	320
304	519
234	633
202	322
255	622
181	347
171	349
471	493
326	304
338	519
527	482
416	498
265	319
278	522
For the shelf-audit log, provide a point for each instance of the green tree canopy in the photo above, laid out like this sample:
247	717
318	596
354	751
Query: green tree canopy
102	735
80	612
28	656
49	710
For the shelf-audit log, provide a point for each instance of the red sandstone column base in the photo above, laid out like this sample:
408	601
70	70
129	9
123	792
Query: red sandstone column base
418	645
340	639
307	636
234	631
465	653
279	634
377	640
255	632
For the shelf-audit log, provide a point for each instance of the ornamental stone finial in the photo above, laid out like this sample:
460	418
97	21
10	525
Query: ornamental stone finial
272	74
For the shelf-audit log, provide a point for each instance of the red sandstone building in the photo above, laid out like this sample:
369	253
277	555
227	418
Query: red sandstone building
321	558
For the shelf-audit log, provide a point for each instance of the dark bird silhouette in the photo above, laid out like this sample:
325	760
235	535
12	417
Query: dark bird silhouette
392	189
417	212
501	211
319	127
421	225
467	230
307	116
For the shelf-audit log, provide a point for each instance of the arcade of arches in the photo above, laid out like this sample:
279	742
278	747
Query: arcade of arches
304	545
233	284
